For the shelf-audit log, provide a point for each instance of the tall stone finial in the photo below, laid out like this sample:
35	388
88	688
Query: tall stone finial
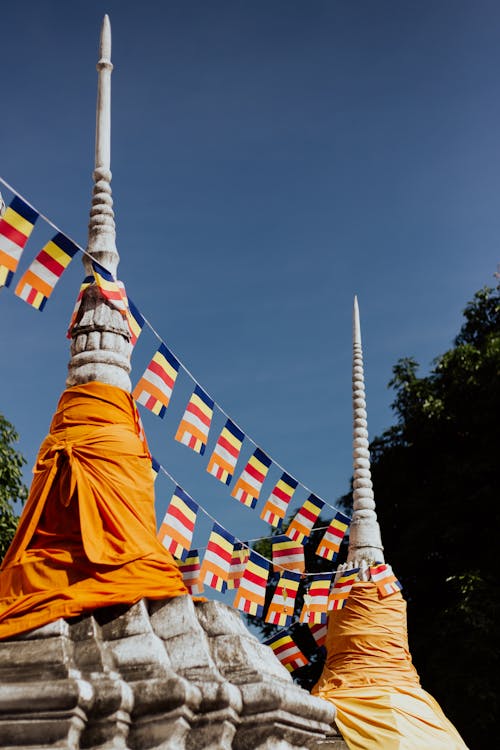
100	348
102	234
365	543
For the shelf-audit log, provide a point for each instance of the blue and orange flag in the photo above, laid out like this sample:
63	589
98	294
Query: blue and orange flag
276	505
287	651
177	527
38	282
239	560
88	280
280	610
302	524
332	539
135	322
16	226
385	580
287	554
217	561
154	389
315	607
195	424
111	289
251	595
342	588
319	632
190	569
248	486
155	468
226	452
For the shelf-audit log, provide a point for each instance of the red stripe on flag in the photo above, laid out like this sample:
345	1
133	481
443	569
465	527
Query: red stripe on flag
224	443
51	263
158	370
12	234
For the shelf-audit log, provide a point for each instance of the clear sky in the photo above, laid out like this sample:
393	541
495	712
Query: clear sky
270	160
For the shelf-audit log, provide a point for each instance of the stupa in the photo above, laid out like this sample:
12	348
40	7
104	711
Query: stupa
152	672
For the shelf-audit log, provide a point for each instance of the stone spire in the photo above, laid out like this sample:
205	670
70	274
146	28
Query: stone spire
100	345
365	543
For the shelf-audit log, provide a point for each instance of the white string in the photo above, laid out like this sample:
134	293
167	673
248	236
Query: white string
186	370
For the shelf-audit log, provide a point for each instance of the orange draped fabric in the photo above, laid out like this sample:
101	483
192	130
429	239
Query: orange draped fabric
87	536
370	679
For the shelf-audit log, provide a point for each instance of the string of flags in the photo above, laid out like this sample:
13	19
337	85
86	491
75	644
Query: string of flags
155	387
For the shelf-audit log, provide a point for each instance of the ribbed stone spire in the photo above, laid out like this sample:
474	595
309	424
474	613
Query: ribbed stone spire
100	345
365	543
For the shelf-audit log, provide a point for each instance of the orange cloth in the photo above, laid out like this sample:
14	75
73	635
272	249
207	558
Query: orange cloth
370	679
87	536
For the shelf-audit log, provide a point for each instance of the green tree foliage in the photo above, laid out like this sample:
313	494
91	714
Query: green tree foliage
12	489
437	489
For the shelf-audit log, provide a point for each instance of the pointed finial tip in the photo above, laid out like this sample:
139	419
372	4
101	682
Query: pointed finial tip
356	328
105	42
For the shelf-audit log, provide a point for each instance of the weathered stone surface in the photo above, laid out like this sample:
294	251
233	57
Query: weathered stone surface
167	675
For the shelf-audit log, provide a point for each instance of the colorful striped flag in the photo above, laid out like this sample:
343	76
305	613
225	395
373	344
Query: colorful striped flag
276	505
195	424
315	606
190	569
227	449
239	560
88	280
248	486
217	560
287	651
111	289
155	468
38	282
16	226
342	588
176	530
154	389
251	595
135	322
302	524
319	632
280	610
384	578
287	554
330	543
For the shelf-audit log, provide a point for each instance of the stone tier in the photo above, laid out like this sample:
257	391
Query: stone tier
159	675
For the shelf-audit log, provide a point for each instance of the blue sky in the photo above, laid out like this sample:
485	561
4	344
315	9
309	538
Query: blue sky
270	160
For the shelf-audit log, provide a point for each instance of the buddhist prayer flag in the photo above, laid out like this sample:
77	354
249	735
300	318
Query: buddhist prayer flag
251	595
330	543
154	389
287	651
280	610
37	283
287	554
217	560
239	560
319	632
16	226
88	280
111	289
227	449
315	606
155	468
176	530
342	588
195	424
135	322
190	569
386	581
302	524
247	488
276	506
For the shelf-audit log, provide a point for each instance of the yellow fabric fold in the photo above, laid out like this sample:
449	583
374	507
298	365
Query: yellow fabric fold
87	536
370	679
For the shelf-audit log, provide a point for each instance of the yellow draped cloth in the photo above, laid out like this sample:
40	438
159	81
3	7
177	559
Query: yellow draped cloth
87	536
370	679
